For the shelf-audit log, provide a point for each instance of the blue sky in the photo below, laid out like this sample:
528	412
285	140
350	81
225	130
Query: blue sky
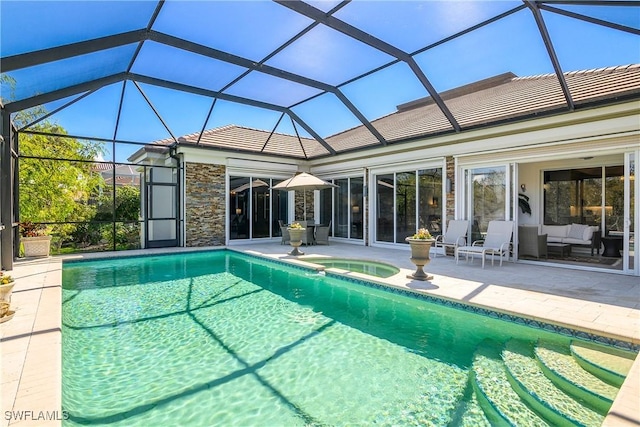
252	29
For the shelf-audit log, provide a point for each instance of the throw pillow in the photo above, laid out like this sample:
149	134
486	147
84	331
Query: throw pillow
576	231
588	233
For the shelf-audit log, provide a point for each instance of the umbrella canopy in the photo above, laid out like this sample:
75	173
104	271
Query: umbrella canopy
303	181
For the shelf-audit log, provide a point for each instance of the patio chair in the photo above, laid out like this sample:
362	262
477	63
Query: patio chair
455	236
530	243
322	234
286	238
307	236
496	242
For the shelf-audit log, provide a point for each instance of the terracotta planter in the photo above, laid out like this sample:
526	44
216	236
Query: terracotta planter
420	257
37	246
296	240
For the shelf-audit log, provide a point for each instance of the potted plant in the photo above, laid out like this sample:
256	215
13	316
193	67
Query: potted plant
420	245
295	233
34	239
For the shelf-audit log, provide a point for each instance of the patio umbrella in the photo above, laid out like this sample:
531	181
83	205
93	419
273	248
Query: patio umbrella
303	181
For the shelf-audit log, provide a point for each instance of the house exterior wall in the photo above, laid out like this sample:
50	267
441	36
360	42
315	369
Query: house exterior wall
598	134
205	204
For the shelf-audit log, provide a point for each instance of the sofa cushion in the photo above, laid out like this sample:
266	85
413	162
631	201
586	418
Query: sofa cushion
577	231
555	231
573	241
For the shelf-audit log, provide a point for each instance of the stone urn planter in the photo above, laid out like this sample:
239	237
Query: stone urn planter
296	240
6	286
37	246
5	291
420	256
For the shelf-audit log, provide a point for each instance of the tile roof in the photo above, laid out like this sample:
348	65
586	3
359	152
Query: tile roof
497	99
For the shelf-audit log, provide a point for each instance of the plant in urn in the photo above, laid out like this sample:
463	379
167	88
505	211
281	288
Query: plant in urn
420	245
295	232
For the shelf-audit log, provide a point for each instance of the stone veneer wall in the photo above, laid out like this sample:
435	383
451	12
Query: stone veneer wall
205	207
299	198
451	197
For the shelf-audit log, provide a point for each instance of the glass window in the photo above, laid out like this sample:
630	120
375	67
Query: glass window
573	196
238	208
279	204
614	198
342	208
260	207
357	185
405	205
326	206
384	208
488	198
430	200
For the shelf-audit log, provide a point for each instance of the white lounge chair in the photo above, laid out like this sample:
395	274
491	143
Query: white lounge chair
454	236
496	242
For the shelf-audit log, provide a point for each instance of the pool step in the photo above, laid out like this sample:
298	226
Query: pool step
500	402
563	370
540	393
469	413
473	416
608	364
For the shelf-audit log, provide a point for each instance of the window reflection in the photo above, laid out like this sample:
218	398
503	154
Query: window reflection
384	208
489	198
576	196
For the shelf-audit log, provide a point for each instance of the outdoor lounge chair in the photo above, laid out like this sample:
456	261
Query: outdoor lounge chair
454	236
322	234
496	242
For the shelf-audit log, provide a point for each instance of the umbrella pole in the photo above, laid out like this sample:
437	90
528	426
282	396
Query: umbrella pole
304	203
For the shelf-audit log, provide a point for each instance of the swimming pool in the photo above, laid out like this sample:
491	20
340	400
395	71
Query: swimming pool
221	338
372	268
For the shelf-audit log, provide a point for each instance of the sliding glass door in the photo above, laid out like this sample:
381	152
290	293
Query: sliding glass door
487	198
406	201
348	208
254	209
630	214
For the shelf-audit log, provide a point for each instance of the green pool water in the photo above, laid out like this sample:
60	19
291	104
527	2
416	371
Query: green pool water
223	339
371	268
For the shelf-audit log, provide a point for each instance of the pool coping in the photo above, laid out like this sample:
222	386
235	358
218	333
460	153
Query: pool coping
32	359
481	309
